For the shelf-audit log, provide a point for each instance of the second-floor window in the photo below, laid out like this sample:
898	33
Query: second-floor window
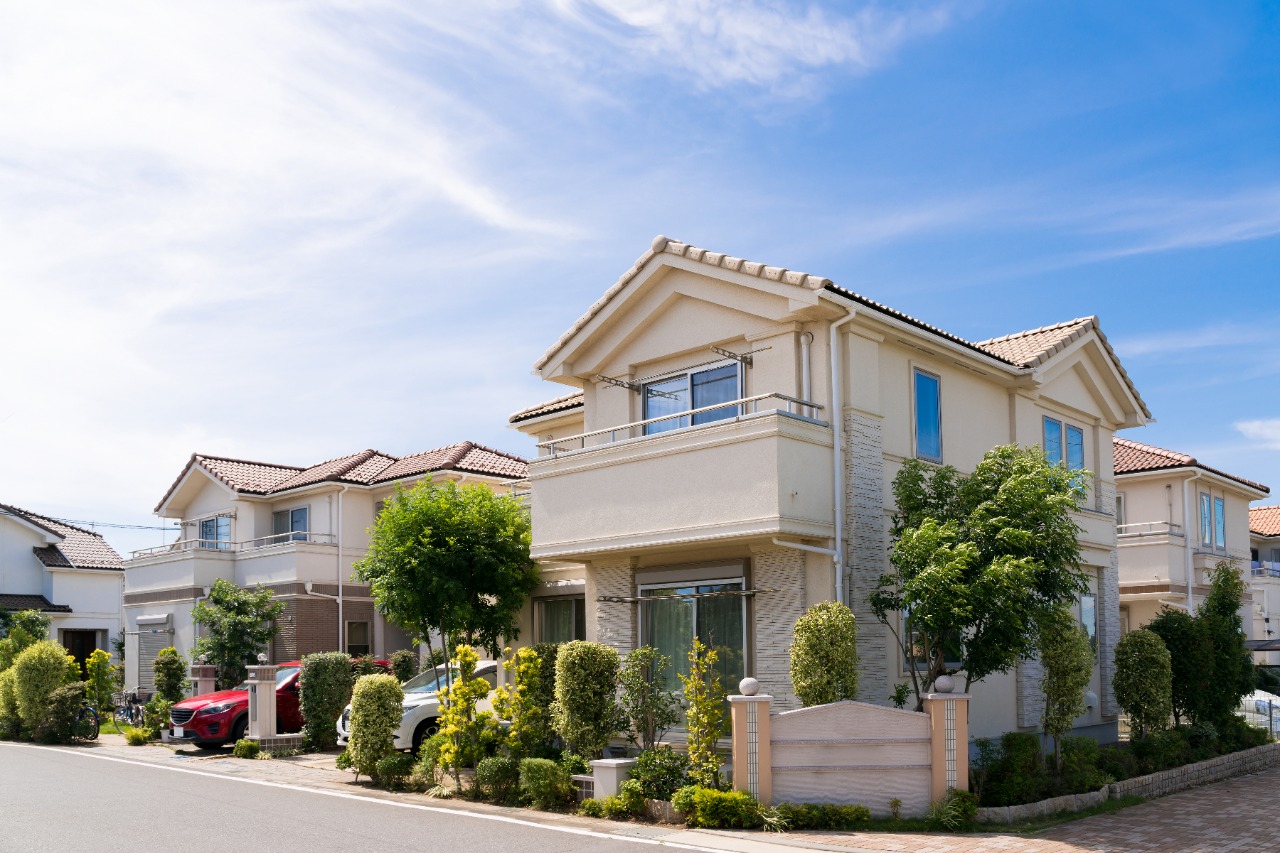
215	533
295	521
928	404
1213	522
1064	443
684	392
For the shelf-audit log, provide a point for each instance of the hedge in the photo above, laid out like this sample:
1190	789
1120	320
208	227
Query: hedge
376	710
324	689
40	669
585	712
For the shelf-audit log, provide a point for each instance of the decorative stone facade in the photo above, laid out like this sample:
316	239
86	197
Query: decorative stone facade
1109	631
775	615
615	621
866	549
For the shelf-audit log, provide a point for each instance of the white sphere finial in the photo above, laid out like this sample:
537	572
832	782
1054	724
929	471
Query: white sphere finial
944	684
204	658
748	686
262	657
660	243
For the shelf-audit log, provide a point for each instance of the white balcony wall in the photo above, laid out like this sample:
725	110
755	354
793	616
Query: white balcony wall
291	562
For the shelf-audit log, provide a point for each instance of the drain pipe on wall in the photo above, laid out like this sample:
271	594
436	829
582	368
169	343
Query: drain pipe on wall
837	455
1186	533
342	626
806	379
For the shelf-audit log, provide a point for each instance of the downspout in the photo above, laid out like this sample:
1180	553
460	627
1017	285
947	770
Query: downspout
342	639
806	389
1186	532
837	456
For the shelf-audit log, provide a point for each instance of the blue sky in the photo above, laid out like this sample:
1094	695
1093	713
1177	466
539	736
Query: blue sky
292	231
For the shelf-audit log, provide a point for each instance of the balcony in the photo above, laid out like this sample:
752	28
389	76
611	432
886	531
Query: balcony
280	558
1264	569
234	547
761	468
1148	528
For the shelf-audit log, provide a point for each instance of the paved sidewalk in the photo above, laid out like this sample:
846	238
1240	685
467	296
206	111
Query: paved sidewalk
1227	816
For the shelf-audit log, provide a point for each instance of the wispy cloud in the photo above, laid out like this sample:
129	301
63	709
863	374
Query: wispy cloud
1265	432
1214	336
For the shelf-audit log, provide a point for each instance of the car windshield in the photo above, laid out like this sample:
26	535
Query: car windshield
427	682
282	674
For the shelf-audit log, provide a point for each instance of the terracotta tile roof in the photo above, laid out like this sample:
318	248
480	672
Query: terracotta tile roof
1025	350
559	404
1131	457
78	549
15	603
366	468
1264	520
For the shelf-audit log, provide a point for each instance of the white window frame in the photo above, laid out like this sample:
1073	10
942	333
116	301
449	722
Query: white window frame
1219	523
1120	510
1064	427
688	375
278	537
917	372
220	544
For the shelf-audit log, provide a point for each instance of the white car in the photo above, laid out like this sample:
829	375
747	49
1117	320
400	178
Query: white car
422	706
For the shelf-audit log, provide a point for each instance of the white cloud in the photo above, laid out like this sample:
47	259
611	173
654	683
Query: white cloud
1215	336
1266	432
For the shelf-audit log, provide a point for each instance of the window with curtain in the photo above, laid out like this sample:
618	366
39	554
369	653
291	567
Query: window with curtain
1089	619
358	642
671	617
1219	524
928	402
296	521
560	620
215	533
675	395
1206	520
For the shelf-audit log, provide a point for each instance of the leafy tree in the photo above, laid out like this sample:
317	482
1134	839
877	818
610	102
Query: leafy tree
649	708
978	561
1143	680
466	731
101	679
238	624
451	562
40	669
170	669
20	630
704	716
518	703
1067	657
1224	631
1191	661
824	655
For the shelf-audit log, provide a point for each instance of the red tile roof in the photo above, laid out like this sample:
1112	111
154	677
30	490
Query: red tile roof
1131	457
78	548
559	404
15	603
366	468
1265	520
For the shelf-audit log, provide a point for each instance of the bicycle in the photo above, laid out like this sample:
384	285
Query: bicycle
129	711
87	725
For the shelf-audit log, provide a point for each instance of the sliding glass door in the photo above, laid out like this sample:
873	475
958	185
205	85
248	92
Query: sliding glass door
713	611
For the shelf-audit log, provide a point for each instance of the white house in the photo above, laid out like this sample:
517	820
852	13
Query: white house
69	573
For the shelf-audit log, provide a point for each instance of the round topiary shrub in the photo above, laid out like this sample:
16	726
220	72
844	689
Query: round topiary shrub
40	669
824	655
170	669
324	689
585	711
1143	681
404	664
376	709
246	748
498	778
546	783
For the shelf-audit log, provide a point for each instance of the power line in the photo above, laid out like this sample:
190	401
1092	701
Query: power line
94	523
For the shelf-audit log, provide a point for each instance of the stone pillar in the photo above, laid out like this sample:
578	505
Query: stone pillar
204	678
949	742
752	752
262	701
608	774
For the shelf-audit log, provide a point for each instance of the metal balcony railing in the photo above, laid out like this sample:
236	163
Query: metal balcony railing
226	545
1264	569
1149	528
731	411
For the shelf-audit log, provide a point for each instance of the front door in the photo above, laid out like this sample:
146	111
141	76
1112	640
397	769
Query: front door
80	644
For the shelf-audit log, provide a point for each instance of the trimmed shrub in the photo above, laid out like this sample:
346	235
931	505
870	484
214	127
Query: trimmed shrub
58	723
393	770
39	669
498	779
404	664
1081	757
101	680
823	816
155	716
661	772
470	734
376	709
10	721
711	808
170	668
528	724
704	716
591	808
824	655
632	796
545	783
585	712
246	748
1012	772
614	807
648	707
1143	680
545	693
428	767
574	763
324	689
137	737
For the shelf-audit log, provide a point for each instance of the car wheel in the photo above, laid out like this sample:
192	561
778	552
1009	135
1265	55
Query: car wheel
207	744
425	729
238	729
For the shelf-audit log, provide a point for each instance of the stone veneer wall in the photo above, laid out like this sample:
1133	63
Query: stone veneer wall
781	569
1109	631
866	549
615	622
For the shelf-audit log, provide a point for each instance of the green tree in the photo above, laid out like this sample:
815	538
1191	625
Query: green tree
1191	660
1224	631
40	669
170	669
824	655
101	680
1067	657
704	716
517	703
451	562
466	731
649	708
20	630
1143	680
237	625
978	561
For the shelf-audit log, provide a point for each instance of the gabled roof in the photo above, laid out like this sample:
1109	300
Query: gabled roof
1025	350
1131	457
559	404
366	468
1264	520
77	548
16	603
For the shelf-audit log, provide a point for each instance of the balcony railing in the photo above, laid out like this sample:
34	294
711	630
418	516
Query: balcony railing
733	411
235	547
1149	528
1264	569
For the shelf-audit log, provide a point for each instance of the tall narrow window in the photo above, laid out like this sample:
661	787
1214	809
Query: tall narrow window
671	397
1219	524
1063	443
1089	619
1053	440
1206	520
293	521
1120	522
928	394
1075	448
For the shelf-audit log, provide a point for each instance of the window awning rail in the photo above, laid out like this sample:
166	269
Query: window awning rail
747	407
631	599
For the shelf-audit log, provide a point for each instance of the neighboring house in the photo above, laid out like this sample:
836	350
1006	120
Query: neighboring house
70	574
1176	519
706	475
1264	556
295	530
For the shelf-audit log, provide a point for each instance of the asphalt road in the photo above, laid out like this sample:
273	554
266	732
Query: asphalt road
62	802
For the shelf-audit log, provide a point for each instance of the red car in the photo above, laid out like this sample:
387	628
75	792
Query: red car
219	718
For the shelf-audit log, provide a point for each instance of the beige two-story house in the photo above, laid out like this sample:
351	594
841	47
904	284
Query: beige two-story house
1264	576
1176	519
295	530
724	457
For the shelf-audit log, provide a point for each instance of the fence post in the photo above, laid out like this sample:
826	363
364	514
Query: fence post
949	739
203	678
752	758
262	700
